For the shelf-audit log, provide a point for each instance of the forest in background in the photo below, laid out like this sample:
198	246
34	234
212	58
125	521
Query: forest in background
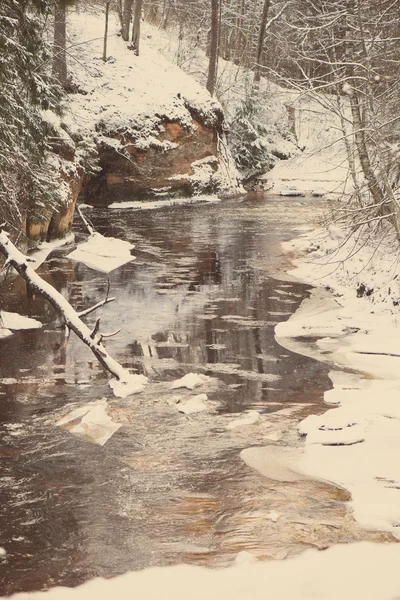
345	55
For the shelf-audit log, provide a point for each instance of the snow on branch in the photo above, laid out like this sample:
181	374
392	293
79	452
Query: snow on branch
123	383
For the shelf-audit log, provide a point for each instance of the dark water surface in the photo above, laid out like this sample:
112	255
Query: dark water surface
166	487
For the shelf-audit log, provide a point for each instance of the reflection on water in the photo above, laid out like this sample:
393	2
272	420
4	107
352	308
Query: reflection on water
166	487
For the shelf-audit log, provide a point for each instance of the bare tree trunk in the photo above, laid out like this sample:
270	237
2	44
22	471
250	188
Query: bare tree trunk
362	150
136	26
118	6
260	43
126	19
165	14
106	30
214	46
59	67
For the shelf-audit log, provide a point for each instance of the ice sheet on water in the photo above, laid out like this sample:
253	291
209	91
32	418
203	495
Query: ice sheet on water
155	204
130	384
4	333
103	253
276	462
195	404
90	422
190	381
248	419
15	321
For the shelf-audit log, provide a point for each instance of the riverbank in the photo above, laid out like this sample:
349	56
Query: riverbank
351	321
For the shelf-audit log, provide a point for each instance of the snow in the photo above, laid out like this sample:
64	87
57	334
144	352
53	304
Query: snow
279	463
273	516
103	254
363	570
155	204
248	419
90	422
190	381
4	333
129	97
356	443
194	404
44	249
361	450
15	321
124	383
129	384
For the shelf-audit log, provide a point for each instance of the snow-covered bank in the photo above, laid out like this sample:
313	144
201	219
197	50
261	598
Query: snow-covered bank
354	325
348	572
152	129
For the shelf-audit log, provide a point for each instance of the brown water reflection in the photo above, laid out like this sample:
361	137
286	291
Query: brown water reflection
166	487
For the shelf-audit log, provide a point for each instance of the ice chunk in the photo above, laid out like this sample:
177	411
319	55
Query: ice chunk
4	333
103	253
194	404
274	462
15	321
249	419
190	381
131	384
273	516
334	430
91	422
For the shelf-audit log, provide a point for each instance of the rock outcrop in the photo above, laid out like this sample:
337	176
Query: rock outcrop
156	131
55	222
175	159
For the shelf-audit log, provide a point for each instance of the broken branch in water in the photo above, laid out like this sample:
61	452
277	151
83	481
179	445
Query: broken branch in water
89	227
125	383
106	300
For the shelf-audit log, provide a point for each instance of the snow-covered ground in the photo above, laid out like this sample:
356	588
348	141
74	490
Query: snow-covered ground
129	95
317	153
348	572
356	443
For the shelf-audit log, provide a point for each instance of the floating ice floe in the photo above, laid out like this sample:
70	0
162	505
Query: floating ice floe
276	462
369	470
190	381
90	422
131	384
162	203
291	191
194	404
103	253
273	516
333	430
14	321
4	333
249	419
46	248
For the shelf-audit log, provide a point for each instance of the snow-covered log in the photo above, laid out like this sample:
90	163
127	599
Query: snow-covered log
124	383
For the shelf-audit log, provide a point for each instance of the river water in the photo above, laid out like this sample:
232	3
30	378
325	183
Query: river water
203	295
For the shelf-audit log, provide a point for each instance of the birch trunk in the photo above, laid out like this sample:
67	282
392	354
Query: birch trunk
214	43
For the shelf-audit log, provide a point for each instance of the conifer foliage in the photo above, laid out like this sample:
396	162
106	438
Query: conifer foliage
26	91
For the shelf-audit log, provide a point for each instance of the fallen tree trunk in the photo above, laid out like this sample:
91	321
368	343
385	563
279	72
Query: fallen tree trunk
125	383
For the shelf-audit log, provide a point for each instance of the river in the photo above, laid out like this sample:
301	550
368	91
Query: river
203	295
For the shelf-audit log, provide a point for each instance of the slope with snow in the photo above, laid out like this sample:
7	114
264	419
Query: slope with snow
156	130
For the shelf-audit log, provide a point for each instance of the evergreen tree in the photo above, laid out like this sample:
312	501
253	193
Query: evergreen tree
26	89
